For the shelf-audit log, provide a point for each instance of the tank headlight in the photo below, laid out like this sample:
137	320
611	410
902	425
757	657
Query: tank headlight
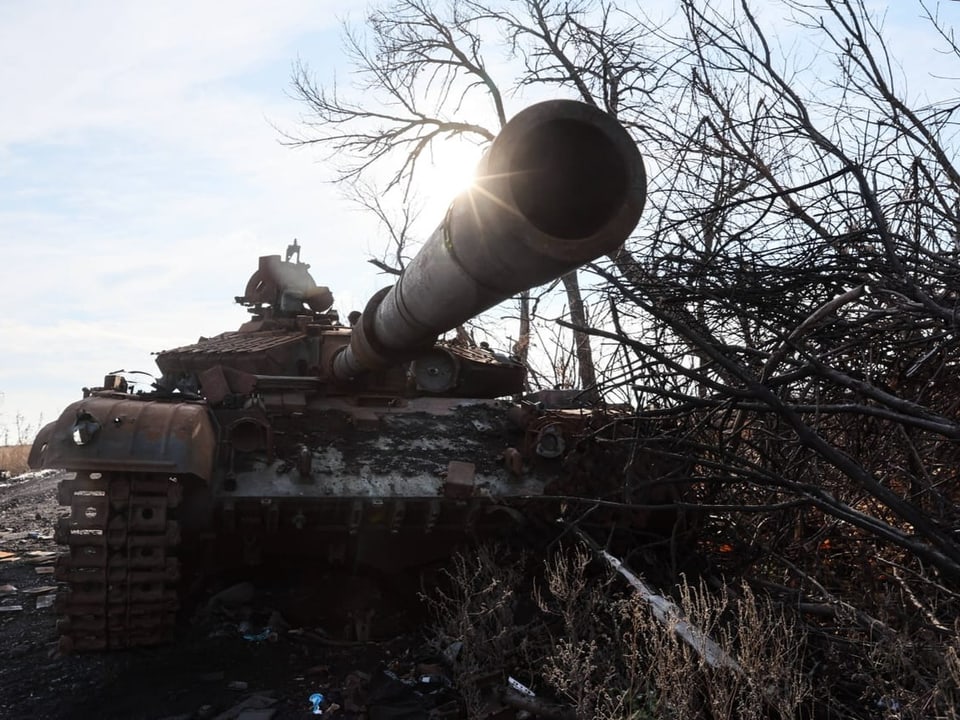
85	429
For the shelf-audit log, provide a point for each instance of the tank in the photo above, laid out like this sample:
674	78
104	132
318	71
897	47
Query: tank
361	443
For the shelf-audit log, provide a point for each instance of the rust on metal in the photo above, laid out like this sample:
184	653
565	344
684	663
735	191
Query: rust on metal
132	434
460	479
561	185
121	566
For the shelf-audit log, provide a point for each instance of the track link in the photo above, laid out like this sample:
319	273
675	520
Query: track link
120	567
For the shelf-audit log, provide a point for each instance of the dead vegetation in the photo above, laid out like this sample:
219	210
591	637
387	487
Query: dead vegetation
13	458
593	649
599	651
16	436
784	325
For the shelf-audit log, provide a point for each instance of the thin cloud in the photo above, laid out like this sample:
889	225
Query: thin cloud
141	177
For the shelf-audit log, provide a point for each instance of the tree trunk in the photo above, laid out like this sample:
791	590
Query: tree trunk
521	348
581	340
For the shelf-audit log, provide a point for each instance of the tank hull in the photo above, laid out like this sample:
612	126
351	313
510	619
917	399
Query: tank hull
347	485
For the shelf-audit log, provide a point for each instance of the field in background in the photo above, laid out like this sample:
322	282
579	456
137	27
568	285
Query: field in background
13	458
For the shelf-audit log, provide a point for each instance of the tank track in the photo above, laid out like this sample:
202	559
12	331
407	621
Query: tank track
120	566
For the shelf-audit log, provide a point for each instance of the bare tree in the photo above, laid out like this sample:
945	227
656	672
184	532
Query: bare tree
422	73
786	317
802	266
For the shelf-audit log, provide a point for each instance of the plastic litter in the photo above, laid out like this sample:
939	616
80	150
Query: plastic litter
266	634
520	687
889	704
315	700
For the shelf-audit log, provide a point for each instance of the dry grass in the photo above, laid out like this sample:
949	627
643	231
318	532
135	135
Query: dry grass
597	650
600	652
632	665
13	458
474	605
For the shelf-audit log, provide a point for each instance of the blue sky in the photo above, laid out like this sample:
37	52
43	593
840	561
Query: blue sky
142	175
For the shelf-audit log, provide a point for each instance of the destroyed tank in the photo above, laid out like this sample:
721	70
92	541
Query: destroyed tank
364	443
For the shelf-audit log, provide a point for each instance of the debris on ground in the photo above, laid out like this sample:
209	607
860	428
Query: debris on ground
251	704
45	601
41	557
233	599
40	589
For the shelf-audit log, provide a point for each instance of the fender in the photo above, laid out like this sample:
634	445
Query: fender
113	431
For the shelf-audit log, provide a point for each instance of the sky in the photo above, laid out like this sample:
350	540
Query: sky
142	174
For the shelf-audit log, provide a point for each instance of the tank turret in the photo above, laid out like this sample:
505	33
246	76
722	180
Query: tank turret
561	185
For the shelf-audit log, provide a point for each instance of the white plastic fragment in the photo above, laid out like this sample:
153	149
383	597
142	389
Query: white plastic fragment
669	614
520	687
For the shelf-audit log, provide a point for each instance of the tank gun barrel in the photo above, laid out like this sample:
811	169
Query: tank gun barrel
561	185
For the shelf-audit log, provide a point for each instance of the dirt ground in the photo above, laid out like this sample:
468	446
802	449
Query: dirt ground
218	667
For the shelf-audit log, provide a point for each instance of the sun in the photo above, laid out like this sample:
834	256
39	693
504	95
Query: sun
450	171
